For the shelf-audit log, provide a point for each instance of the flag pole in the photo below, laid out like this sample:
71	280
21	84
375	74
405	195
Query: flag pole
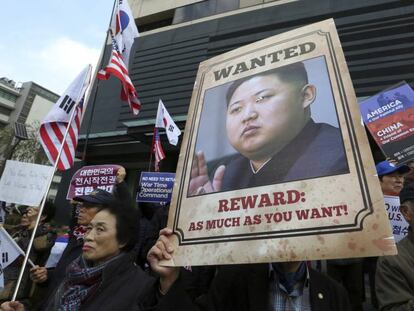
98	81
42	205
151	150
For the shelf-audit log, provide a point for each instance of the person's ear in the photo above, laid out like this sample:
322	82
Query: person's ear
308	95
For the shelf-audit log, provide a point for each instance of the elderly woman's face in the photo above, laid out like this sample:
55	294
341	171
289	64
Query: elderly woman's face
262	114
29	217
100	240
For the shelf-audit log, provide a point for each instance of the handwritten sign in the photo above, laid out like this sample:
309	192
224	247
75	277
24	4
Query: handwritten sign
24	183
88	178
155	187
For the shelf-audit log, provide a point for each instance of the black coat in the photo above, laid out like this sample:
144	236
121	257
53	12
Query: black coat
317	151
246	288
124	285
72	251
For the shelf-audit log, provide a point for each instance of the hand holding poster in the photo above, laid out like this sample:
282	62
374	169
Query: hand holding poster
88	178
292	178
389	117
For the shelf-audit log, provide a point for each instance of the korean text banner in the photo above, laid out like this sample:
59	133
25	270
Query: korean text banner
275	164
389	117
88	178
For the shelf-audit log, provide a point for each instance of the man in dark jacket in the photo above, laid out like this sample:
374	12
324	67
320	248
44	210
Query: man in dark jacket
395	275
255	287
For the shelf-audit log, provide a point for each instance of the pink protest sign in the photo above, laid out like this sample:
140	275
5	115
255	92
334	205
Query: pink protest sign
88	178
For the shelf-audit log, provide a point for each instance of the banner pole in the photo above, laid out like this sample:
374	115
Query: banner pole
42	205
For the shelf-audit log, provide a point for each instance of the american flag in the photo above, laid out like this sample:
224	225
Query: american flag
118	68
123	32
157	149
68	111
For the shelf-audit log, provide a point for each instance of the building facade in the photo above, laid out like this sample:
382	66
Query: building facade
9	95
376	36
25	102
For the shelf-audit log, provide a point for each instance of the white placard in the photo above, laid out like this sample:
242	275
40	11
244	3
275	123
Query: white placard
398	223
24	183
2	215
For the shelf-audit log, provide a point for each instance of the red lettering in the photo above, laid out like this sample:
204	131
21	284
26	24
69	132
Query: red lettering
327	211
278	198
277	217
192	227
211	224
264	200
234	204
257	219
293	196
247	221
315	213
287	216
302	214
268	218
196	226
248	202
223	206
232	222
338	210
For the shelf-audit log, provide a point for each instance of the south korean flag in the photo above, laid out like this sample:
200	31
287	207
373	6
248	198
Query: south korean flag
9	250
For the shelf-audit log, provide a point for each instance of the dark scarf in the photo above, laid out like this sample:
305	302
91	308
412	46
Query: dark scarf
81	283
289	279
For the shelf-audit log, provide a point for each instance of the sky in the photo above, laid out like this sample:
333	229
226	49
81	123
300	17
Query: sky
50	41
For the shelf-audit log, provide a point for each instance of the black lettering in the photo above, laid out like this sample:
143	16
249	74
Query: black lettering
223	73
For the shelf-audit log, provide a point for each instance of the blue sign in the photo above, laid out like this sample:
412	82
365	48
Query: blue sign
155	187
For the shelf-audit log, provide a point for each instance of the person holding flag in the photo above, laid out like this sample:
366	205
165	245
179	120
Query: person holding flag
59	136
16	245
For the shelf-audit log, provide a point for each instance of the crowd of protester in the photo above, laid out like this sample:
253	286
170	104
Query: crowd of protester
112	262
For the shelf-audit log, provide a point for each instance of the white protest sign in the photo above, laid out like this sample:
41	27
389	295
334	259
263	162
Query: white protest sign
24	183
1	271
2	215
398	223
